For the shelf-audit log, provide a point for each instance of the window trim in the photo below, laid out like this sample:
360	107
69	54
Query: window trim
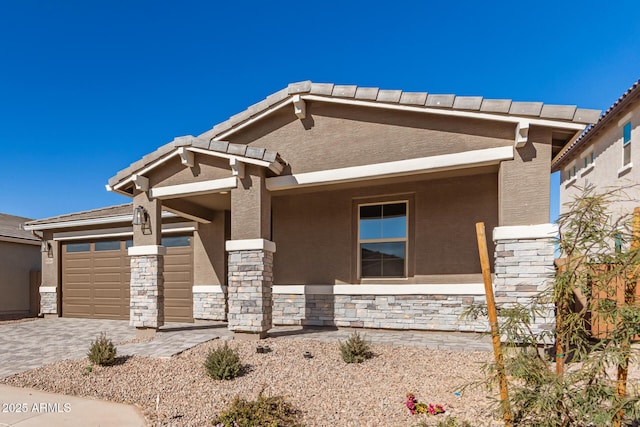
406	239
589	163
627	143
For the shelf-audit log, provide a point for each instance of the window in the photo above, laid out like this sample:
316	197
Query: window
571	172
382	239
172	242
108	245
78	247
589	159
626	144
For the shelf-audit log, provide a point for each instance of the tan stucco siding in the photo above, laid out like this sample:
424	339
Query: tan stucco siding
174	172
524	182
209	257
251	206
606	173
16	260
334	136
316	238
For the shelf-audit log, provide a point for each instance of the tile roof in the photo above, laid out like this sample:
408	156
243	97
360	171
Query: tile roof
11	226
421	99
569	113
240	150
608	115
109	211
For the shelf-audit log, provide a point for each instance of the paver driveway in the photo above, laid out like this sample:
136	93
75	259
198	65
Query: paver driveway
31	344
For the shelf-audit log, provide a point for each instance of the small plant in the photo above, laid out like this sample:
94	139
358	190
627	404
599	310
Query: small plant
102	351
453	422
87	370
271	411
355	349
223	363
416	407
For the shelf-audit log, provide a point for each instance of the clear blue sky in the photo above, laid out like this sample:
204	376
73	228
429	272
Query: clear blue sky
88	87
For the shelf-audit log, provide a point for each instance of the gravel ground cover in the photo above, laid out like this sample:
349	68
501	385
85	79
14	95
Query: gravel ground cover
326	390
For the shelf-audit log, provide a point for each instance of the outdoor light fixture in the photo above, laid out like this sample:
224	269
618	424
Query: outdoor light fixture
141	218
46	248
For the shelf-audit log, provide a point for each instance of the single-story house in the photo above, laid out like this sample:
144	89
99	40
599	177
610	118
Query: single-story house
604	156
322	204
19	265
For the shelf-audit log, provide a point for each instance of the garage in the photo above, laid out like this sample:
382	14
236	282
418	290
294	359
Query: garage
96	274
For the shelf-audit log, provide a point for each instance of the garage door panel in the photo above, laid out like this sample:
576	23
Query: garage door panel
80	278
79	264
96	283
179	278
107	263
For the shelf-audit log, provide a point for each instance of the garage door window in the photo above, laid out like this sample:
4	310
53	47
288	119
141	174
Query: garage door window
109	245
78	247
176	241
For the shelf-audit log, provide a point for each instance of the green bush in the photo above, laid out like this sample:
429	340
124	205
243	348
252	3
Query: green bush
223	363
102	351
272	411
355	349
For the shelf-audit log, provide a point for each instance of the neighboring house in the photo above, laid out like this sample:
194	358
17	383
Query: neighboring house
322	205
19	261
604	156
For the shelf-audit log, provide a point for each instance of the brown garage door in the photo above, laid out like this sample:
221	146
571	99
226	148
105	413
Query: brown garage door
95	279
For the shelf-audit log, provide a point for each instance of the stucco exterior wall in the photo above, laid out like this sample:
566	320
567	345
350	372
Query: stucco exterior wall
524	182
16	260
316	233
174	172
607	171
335	136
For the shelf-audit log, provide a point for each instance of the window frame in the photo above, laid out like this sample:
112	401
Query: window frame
405	239
626	143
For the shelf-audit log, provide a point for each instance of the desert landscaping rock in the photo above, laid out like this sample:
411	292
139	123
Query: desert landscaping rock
329	392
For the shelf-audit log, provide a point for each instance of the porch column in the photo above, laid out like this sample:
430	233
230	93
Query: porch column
147	265
50	285
250	257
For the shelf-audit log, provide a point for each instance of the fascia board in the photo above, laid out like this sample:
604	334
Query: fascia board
467	159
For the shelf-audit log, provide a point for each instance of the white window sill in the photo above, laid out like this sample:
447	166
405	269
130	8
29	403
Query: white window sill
626	168
588	169
571	182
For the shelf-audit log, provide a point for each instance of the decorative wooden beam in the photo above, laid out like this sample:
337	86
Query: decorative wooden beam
141	182
186	157
522	134
237	167
299	107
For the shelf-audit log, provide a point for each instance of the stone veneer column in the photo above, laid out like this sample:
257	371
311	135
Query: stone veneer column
250	287
147	287
524	267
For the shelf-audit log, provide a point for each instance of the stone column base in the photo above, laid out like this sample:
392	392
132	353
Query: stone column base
524	267
250	287
147	286
49	301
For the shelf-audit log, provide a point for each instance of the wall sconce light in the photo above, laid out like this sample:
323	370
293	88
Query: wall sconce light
46	248
141	218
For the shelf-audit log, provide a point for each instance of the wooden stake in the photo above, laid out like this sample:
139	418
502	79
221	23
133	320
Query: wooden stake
560	308
629	297
493	322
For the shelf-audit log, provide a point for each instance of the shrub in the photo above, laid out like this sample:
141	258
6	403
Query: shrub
355	349
102	351
272	411
223	363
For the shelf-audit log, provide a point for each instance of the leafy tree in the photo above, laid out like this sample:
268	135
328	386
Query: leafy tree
595	287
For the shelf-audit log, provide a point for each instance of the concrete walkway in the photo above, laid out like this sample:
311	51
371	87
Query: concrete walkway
26	407
30	344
